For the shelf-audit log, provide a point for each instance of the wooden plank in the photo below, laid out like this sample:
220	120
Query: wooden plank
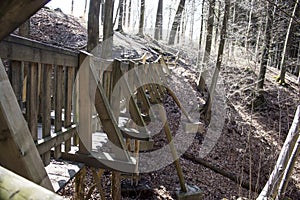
61	172
16	82
69	79
58	106
14	13
18	151
13	186
44	145
46	102
101	160
22	49
84	106
32	99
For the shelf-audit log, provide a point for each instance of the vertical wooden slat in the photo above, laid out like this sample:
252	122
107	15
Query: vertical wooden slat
84	108
31	100
16	80
69	77
46	102
58	106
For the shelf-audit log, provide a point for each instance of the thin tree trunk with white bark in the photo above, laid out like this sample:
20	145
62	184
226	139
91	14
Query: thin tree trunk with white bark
271	188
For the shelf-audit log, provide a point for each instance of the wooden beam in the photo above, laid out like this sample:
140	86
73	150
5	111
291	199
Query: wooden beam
45	144
21	49
13	186
13	13
17	149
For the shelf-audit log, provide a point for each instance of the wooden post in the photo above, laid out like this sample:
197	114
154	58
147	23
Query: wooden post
32	99
69	79
85	114
16	80
58	106
46	102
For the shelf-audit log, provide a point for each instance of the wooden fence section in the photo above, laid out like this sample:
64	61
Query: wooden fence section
42	78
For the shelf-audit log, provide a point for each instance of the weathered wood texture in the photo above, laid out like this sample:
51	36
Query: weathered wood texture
12	185
14	13
18	149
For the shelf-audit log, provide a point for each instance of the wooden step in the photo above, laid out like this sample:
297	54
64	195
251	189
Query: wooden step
61	172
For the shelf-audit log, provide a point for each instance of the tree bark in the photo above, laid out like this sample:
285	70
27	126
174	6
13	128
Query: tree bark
208	104
176	22
142	18
210	24
271	188
107	45
85	5
266	48
192	22
281	78
93	25
121	13
249	24
159	21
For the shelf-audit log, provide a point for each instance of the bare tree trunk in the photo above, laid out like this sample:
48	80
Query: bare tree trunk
108	29
129	12
159	21
93	25
217	23
271	188
192	22
281	78
169	22
201	32
85	5
210	24
121	13
72	7
176	22
297	71
265	54
124	12
142	18
208	104
288	172
249	24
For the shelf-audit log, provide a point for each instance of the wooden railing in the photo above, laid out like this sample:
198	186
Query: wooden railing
42	77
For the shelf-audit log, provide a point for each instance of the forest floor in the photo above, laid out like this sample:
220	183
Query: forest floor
249	141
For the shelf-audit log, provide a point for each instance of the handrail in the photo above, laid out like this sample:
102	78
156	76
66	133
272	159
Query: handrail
23	49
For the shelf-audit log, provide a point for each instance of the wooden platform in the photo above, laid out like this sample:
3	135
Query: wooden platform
61	172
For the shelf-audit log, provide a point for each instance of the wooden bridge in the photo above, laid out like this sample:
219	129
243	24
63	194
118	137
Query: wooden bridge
61	97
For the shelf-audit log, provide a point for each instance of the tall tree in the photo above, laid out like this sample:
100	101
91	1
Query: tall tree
124	12
176	22
192	22
281	78
142	18
249	24
121	13
93	25
108	29
266	48
209	31
223	35
159	21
